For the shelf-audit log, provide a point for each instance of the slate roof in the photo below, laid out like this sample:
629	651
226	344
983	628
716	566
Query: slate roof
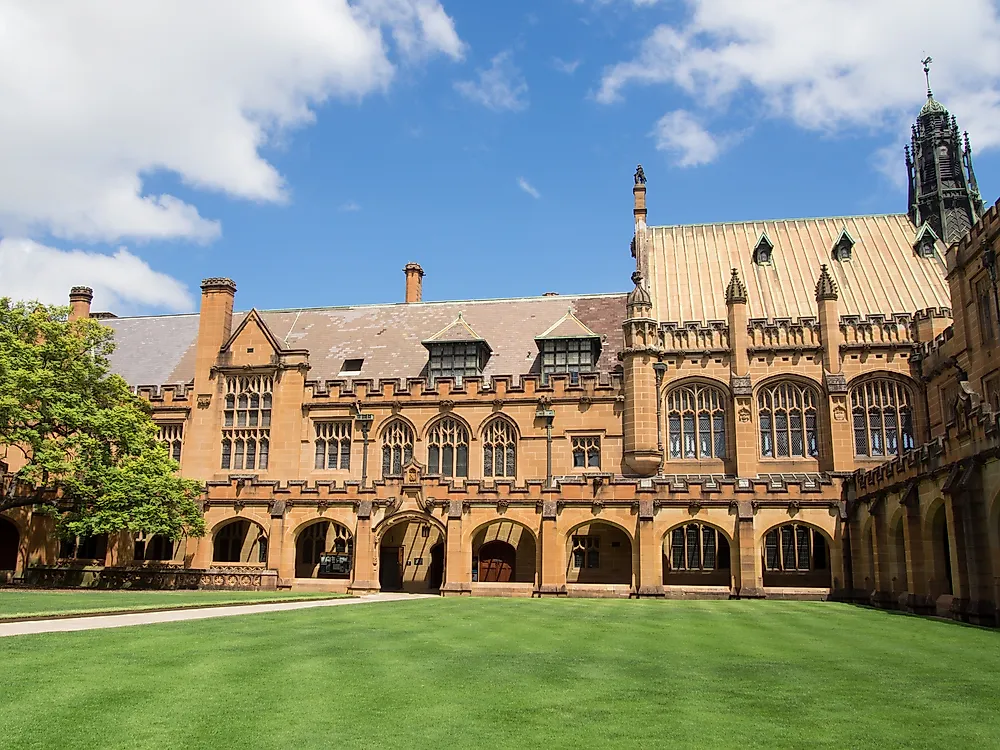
160	350
568	327
688	268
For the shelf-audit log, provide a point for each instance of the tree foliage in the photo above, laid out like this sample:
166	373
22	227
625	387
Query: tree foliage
79	443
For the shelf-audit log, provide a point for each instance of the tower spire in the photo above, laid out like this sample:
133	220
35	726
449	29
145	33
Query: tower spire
927	74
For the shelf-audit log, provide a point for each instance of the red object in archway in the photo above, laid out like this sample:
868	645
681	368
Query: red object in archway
496	562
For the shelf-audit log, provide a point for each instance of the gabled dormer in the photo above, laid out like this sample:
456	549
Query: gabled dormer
253	345
763	250
844	246
925	244
456	351
568	346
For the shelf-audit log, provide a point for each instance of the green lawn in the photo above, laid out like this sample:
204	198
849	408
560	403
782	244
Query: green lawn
24	602
495	673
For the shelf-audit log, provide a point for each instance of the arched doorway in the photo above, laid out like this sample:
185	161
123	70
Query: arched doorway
324	549
797	556
240	541
941	582
503	552
599	552
156	548
411	556
696	554
10	542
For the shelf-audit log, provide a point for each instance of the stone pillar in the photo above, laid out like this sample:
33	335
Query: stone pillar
881	555
918	598
837	445
649	581
642	456
80	298
458	565
364	580
553	578
277	550
745	449
751	583
203	441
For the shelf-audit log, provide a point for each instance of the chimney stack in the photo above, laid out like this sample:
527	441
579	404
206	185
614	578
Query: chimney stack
80	298
414	282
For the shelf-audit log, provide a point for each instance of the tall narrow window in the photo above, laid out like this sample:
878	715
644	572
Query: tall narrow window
246	423
786	414
882	418
171	434
397	448
697	546
587	452
333	445
500	449
795	547
696	422
448	449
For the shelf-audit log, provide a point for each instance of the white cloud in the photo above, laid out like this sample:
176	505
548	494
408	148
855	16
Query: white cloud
565	66
528	188
500	87
828	64
349	207
121	282
97	95
680	134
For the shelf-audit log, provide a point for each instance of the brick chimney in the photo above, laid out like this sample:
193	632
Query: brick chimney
414	282
80	298
215	323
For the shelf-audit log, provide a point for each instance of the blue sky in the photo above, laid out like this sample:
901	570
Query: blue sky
498	154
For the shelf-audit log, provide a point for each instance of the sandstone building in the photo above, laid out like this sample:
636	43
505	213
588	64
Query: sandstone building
793	408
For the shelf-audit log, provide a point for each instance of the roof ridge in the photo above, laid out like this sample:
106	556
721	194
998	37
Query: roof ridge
781	220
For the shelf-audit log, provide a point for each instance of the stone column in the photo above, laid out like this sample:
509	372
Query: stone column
642	456
364	580
649	581
837	446
277	550
744	447
457	566
553	577
751	584
918	598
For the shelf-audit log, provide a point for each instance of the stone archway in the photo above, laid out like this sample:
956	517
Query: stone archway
503	552
940	546
324	549
599	552
796	555
696	554
10	543
239	541
411	556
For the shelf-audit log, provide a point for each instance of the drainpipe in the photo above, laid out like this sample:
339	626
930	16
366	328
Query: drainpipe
660	368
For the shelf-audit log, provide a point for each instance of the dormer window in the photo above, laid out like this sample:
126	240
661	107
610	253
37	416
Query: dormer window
456	352
926	243
763	250
568	347
843	247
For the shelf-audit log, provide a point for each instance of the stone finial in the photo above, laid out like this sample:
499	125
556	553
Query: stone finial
218	284
736	292
639	295
826	287
640	176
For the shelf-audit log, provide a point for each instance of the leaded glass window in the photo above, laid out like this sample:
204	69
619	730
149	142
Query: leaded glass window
586	552
569	356
882	417
246	431
698	547
500	449
448	449
397	448
795	547
786	417
454	361
171	434
696	422
333	445
587	452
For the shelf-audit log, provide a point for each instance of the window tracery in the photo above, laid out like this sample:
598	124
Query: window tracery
448	449
397	448
786	413
795	547
696	422
882	417
500	449
246	431
333	445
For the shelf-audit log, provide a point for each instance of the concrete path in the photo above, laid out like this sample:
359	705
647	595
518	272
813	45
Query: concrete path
96	622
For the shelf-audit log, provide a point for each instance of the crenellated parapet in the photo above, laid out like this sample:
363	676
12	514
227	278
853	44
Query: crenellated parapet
874	331
695	337
773	335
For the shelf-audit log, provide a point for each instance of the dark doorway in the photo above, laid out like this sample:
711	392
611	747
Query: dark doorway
9	542
435	576
496	562
390	568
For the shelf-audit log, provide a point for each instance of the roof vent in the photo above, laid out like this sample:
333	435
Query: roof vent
843	246
926	242
763	250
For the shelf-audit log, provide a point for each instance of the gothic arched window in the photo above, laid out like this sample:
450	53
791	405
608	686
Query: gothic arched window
246	427
448	449
696	546
696	422
500	449
397	448
795	547
883	418
786	415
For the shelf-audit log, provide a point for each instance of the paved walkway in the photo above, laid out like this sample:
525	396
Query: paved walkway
96	622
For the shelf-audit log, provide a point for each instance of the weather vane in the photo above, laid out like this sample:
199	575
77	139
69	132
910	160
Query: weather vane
927	72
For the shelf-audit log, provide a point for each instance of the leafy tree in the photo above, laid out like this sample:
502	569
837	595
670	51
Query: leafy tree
81	446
